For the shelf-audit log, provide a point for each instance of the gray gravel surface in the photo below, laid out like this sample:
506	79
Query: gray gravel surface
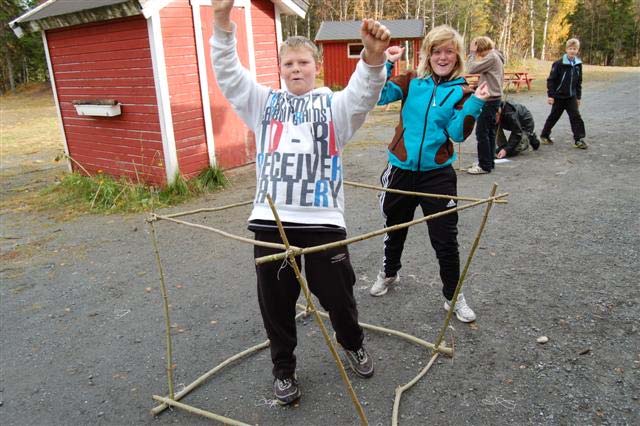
83	330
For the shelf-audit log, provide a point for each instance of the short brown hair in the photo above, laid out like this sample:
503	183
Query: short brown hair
299	42
483	44
573	42
437	37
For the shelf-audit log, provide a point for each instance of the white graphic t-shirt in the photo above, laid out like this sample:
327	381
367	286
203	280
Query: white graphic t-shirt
299	139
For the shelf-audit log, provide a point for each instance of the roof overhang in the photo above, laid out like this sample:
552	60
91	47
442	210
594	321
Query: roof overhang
65	13
290	7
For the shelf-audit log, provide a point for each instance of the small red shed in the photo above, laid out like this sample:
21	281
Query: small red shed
341	46
133	84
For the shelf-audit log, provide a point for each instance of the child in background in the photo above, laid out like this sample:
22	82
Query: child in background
300	133
437	108
517	119
489	63
564	91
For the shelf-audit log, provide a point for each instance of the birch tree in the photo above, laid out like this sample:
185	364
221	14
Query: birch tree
544	32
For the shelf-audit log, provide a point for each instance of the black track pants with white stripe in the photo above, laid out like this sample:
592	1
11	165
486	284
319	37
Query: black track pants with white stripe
443	231
330	277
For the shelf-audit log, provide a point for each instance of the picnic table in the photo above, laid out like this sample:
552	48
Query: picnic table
517	79
511	79
472	79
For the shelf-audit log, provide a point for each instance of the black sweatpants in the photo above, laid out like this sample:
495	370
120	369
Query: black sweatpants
486	127
443	231
575	119
330	277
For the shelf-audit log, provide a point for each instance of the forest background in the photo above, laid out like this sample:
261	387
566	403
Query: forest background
609	30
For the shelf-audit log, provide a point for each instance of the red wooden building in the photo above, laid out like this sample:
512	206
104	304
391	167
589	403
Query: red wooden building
341	46
133	84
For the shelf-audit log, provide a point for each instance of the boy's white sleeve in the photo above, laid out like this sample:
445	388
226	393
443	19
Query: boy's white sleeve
247	97
351	105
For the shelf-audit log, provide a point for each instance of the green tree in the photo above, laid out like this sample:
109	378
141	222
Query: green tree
22	60
608	31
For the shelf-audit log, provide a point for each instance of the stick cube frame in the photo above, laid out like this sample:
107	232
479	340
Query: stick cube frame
291	252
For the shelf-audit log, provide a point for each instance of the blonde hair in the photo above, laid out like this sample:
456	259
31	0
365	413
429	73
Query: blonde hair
573	42
438	36
297	43
483	44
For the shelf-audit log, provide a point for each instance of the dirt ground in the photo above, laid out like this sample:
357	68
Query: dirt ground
83	330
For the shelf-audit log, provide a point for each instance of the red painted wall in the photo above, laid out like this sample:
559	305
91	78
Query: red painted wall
338	67
184	87
265	43
112	60
109	60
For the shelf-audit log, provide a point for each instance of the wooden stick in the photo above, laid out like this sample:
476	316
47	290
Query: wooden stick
160	408
442	349
200	380
325	334
167	320
155	217
315	249
417	194
210	209
452	305
203	413
401	389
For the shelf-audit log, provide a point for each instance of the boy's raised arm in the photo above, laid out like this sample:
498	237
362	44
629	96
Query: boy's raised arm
375	38
236	82
222	14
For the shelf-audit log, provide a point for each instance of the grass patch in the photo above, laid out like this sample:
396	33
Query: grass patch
106	194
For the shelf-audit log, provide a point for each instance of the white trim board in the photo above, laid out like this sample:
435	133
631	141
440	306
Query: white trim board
279	38
204	83
151	7
163	97
55	98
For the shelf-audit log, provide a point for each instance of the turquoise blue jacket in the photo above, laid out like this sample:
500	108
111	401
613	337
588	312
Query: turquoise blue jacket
433	114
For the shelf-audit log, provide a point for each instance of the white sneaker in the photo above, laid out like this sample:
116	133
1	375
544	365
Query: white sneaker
381	286
463	312
476	170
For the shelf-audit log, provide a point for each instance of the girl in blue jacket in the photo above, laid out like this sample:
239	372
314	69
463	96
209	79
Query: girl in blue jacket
437	108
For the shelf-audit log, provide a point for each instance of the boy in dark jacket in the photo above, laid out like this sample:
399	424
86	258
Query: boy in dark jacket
518	120
564	88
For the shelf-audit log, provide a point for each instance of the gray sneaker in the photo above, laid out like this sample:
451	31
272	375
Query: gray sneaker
286	390
360	362
382	284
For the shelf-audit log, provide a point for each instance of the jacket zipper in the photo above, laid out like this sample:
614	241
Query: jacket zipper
571	83
446	97
426	114
561	80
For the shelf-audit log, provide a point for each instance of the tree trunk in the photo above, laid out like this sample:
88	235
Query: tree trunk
533	32
507	44
433	13
12	80
505	22
544	33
